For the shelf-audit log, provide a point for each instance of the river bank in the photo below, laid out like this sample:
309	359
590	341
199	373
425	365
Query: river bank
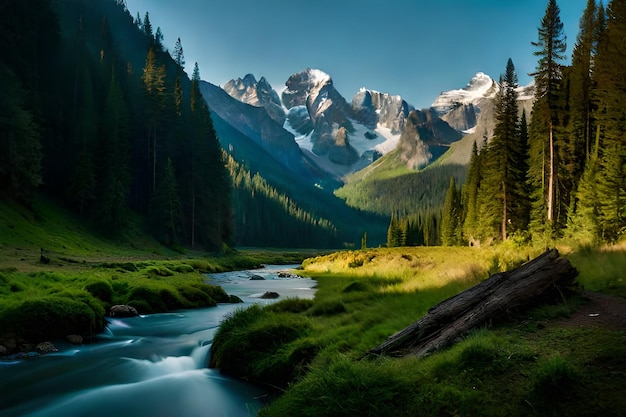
64	296
561	357
147	365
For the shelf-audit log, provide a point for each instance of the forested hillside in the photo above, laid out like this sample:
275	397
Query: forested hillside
98	115
563	174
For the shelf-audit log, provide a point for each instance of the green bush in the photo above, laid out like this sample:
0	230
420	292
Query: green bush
155	298
100	289
196	298
255	343
217	293
50	317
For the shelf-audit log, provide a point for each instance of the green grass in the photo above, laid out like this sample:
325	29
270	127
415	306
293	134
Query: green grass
525	365
602	269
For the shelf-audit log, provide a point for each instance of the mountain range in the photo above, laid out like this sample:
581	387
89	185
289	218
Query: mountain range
314	132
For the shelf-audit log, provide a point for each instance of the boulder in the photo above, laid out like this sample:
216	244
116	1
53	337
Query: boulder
256	278
268	295
45	347
284	274
233	299
74	339
122	310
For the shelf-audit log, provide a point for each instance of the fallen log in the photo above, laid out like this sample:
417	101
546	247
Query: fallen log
454	317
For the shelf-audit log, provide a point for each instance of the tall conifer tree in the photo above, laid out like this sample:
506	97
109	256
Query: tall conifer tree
551	46
504	169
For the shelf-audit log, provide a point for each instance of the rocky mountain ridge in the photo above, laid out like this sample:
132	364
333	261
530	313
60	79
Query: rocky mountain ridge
340	137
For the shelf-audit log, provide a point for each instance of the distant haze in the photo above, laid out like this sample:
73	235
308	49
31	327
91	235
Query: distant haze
412	48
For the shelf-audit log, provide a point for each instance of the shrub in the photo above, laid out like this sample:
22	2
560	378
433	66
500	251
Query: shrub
159	271
155	298
196	298
255	343
100	289
217	293
48	318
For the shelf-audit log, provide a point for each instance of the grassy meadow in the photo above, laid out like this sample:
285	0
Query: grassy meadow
525	364
311	351
70	289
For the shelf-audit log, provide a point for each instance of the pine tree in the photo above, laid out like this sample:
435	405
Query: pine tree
450	219
165	210
470	198
610	115
521	202
179	58
504	168
20	147
394	232
581	123
147	29
209	184
155	92
543	163
158	40
113	187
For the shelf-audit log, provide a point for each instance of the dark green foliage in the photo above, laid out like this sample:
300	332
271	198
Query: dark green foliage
216	293
554	381
101	289
451	233
502	194
267	217
20	147
545	142
250	343
100	116
52	317
611	113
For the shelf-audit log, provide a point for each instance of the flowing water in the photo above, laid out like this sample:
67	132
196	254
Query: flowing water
152	365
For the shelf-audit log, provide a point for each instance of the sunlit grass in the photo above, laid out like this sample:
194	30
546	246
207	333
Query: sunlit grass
602	269
363	297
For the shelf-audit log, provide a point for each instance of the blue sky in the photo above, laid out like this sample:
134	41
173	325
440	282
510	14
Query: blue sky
414	48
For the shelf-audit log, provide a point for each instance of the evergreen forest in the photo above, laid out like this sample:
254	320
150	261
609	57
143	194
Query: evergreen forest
96	114
561	171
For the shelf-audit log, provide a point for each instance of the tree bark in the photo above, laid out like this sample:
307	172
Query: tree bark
454	317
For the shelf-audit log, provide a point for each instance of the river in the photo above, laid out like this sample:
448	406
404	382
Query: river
153	365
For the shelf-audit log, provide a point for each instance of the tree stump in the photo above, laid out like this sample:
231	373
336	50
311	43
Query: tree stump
454	317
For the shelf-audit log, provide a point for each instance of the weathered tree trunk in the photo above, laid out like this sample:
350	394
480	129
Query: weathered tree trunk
454	317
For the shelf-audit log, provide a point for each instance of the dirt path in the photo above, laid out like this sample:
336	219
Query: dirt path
602	310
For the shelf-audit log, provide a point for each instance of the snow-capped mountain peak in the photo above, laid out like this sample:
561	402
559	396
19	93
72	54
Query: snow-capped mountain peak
480	86
318	76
